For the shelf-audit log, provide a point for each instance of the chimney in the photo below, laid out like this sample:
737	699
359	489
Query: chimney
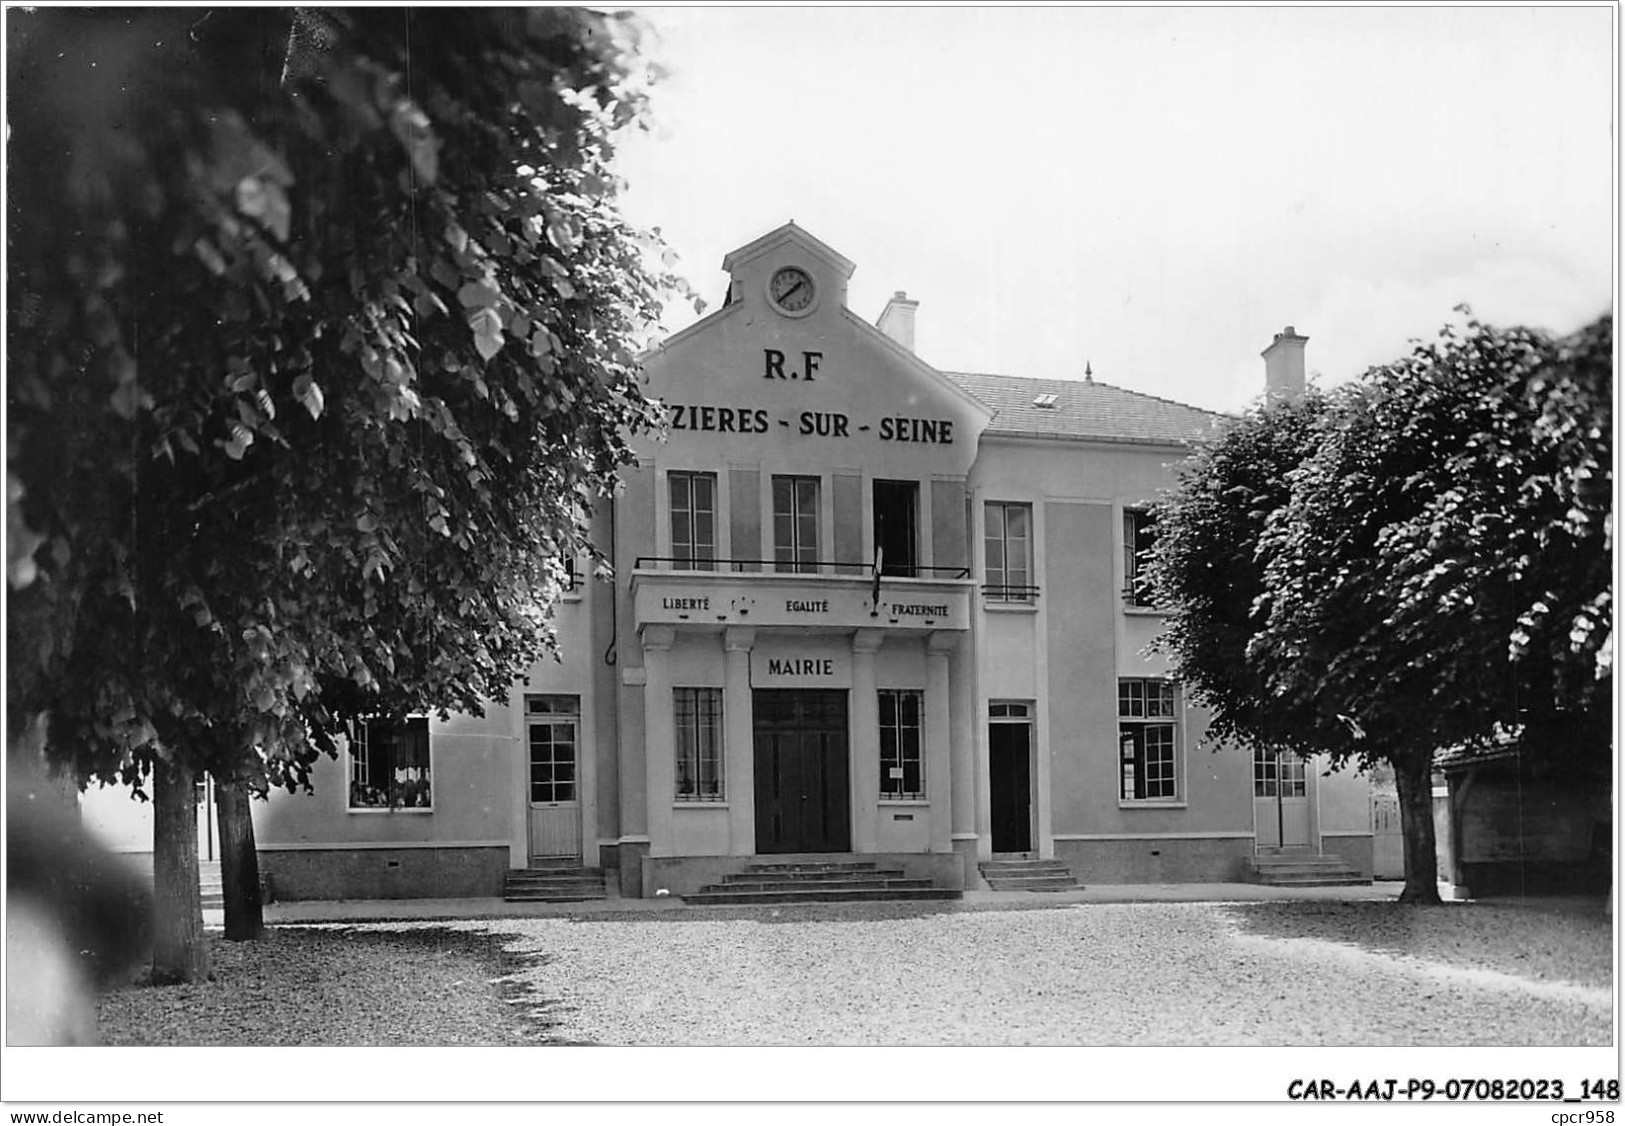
897	319
1283	366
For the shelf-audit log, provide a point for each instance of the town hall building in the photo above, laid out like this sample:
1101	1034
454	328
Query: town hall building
860	609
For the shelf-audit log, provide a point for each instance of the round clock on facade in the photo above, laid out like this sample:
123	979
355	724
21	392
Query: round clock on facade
791	290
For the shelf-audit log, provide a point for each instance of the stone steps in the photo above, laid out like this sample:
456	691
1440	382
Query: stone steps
835	881
553	883
1289	868
1028	875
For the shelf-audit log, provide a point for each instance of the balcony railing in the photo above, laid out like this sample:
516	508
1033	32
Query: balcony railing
1003	592
786	567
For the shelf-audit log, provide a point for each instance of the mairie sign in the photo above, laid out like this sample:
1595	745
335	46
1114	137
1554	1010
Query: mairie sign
788	663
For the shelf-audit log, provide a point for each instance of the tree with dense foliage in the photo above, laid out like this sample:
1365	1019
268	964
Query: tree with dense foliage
323	337
1421	561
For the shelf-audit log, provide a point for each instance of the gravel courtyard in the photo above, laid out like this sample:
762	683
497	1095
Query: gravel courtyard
1118	974
1342	974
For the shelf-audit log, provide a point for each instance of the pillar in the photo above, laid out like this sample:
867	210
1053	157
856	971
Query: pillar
963	717
659	735
939	647
739	741
864	774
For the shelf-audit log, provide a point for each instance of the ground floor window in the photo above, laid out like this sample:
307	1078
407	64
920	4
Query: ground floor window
1278	774
389	764
699	743
902	772
1148	737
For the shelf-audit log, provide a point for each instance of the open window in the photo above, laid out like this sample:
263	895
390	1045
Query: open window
389	764
896	512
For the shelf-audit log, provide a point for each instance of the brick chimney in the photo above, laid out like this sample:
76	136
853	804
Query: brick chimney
1283	366
897	319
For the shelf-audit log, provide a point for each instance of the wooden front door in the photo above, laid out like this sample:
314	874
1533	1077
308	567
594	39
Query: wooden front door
802	799
1280	800
552	725
1009	752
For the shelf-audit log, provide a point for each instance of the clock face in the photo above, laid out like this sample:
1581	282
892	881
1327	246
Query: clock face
791	289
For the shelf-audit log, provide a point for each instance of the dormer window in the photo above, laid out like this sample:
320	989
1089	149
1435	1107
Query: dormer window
1046	402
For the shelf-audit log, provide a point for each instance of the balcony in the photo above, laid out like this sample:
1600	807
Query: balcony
820	595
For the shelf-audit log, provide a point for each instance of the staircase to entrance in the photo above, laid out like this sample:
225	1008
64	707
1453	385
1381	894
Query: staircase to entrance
1028	875
836	881
564	881
1299	867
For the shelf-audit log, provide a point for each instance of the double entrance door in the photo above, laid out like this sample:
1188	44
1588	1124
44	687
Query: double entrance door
803	801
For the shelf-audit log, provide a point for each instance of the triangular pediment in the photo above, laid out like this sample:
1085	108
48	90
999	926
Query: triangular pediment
806	383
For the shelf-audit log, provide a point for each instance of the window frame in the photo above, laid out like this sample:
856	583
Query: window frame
1139	715
1139	523
358	745
1268	774
900	758
997	581
908	567
803	558
689	744
539	709
687	554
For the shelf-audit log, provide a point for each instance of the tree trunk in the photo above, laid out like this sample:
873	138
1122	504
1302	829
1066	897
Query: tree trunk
178	952
239	862
1413	775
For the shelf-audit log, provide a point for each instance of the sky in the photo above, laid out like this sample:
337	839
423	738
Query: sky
1152	191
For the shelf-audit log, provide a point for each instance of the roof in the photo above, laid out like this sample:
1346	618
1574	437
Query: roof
1084	409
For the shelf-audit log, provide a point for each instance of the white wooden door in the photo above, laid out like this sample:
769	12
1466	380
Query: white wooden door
1280	800
1387	841
553	725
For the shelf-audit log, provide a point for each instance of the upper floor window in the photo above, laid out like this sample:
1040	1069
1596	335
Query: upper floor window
389	764
1008	538
795	523
1139	537
896	526
1147	732
693	519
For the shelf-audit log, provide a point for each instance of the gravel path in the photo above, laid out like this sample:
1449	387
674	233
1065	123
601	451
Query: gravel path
1134	974
1350	974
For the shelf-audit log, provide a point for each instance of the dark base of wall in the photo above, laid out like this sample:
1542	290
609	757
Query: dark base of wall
1536	878
1155	861
629	858
382	873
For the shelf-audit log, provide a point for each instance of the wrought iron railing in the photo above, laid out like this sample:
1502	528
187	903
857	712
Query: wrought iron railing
789	567
1004	592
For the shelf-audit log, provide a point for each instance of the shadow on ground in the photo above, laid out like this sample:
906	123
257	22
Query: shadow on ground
1563	939
345	985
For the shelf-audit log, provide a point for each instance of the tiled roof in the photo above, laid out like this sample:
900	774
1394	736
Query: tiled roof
1084	409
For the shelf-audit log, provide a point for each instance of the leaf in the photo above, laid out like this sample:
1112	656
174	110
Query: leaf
478	295
266	202
487	327
309	394
367	523
241	438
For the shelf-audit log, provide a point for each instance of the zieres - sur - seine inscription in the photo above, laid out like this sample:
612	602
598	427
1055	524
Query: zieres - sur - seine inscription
820	424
